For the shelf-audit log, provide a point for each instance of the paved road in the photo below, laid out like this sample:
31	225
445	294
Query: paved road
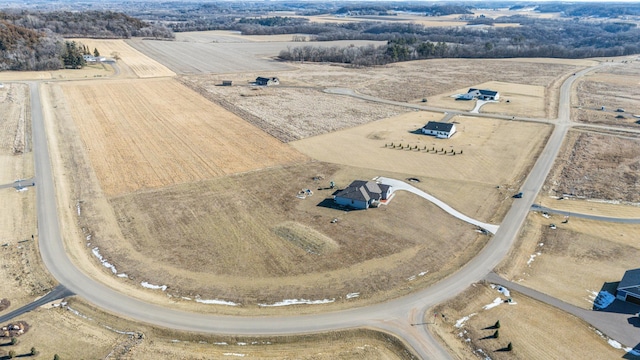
59	292
401	185
536	207
396	316
19	184
619	320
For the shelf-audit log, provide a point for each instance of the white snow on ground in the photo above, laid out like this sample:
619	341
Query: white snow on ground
22	189
603	300
460	322
216	302
120	331
122	275
495	303
153	287
104	262
288	302
78	313
234	354
614	344
501	289
531	257
220	343
352	295
401	185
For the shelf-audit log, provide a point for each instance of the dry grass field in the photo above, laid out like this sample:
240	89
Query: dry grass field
536	330
82	332
87	72
575	260
614	87
141	65
225	56
154	133
593	166
495	152
428	21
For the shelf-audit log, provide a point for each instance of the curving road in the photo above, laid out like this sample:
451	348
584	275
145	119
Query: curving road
395	317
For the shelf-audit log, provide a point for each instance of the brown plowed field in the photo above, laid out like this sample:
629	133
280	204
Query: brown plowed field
154	133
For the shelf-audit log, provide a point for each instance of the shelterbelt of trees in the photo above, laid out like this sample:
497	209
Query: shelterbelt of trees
34	40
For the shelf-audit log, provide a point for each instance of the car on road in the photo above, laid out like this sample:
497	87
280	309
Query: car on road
517	196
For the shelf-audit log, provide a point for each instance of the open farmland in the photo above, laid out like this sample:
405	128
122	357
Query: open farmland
574	261
140	64
614	87
225	57
495	152
537	331
594	166
154	133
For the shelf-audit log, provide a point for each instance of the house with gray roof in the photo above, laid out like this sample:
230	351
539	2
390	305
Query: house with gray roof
439	129
480	94
629	287
362	194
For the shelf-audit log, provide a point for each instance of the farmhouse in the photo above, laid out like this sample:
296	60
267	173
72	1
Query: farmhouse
89	58
262	81
363	194
480	95
439	129
629	287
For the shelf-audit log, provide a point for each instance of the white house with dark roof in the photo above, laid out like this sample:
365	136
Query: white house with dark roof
439	129
629	287
480	94
362	194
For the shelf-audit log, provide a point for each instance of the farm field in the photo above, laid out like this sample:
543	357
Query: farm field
141	65
154	133
614	87
575	260
536	330
596	167
225	57
494	152
429	21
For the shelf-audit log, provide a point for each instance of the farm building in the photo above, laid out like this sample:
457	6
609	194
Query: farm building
439	129
262	81
480	95
362	194
629	287
89	58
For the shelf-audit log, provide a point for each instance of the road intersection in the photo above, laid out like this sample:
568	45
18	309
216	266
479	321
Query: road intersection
396	317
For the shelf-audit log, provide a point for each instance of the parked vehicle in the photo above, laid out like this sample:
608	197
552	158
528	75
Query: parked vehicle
517	196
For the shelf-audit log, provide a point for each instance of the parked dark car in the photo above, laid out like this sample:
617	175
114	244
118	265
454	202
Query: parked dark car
517	196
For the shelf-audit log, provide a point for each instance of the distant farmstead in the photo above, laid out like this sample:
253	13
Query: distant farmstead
629	287
362	194
262	81
480	94
439	129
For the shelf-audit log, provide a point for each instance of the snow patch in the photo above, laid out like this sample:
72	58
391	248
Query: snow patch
153	287
105	263
234	354
614	344
122	275
216	302
120	331
220	343
352	295
531	257
501	289
288	302
603	300
460	322
495	303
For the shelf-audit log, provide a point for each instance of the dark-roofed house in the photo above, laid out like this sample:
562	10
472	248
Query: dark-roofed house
481	94
263	81
439	129
629	287
361	194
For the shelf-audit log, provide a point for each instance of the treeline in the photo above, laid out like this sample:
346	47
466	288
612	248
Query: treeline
95	24
34	41
388	8
600	10
539	38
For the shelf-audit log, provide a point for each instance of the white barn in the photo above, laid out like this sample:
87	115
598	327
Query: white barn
439	129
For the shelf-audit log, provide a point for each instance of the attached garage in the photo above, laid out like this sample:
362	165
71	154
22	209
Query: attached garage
629	287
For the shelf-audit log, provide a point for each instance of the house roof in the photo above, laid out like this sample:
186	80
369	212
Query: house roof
438	126
484	92
362	190
630	279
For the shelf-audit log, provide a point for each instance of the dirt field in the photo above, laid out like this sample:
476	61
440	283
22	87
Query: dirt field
536	330
135	131
600	167
292	113
613	88
225	56
494	152
82	332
